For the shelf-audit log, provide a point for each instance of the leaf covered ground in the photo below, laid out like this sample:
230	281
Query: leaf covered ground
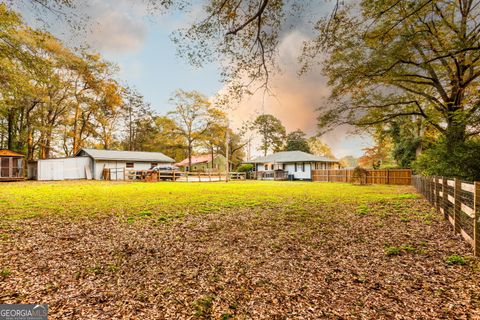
243	250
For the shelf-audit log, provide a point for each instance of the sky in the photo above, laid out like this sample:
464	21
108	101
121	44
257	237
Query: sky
127	34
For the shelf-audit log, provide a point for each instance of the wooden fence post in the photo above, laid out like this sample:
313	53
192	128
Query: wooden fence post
457	206
437	194
445	197
476	217
328	175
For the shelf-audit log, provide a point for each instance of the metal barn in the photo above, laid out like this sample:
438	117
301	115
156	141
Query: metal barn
91	164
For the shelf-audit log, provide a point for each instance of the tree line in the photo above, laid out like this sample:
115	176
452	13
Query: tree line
406	72
55	101
274	138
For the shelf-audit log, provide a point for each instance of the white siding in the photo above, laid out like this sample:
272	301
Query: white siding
299	174
75	168
118	166
63	169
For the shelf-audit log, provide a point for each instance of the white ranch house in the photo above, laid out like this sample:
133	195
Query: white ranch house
90	163
297	165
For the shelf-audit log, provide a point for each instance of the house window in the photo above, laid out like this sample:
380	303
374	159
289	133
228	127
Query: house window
130	165
154	164
266	167
295	167
303	166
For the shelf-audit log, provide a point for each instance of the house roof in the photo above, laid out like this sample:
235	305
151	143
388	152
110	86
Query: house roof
204	158
9	153
291	156
126	155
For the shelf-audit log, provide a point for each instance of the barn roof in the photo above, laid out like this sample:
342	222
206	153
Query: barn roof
125	155
9	153
291	156
204	158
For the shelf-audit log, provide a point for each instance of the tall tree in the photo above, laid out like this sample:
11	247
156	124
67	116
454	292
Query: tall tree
54	100
390	59
193	117
214	138
378	155
319	148
136	115
271	131
296	141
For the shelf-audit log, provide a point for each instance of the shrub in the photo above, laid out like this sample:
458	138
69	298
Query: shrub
359	175
462	162
245	167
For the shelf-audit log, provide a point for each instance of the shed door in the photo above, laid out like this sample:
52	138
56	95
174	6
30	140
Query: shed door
51	170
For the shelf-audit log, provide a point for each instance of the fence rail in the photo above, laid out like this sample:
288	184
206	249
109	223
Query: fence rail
387	176
271	175
458	201
152	176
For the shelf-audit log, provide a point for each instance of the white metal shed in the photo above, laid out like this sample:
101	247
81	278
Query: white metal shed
90	163
60	169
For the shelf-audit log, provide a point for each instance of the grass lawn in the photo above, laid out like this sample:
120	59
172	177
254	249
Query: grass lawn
242	250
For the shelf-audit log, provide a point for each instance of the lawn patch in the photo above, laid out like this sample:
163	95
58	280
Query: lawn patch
456	259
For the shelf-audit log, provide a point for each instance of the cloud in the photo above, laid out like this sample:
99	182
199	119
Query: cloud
116	27
116	32
296	100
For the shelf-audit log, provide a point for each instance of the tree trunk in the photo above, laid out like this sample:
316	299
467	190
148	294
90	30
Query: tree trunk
10	129
30	147
211	150
189	156
455	134
76	138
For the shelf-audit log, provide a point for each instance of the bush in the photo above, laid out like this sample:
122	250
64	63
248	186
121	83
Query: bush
245	167
359	175
462	162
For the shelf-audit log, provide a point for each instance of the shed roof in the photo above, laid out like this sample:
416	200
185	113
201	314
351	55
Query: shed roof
291	156
126	155
204	158
9	153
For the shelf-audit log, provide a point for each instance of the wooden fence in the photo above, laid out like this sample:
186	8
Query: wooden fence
387	176
270	175
458	201
166	175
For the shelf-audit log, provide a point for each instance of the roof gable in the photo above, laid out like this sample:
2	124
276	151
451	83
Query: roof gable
203	158
10	153
125	155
